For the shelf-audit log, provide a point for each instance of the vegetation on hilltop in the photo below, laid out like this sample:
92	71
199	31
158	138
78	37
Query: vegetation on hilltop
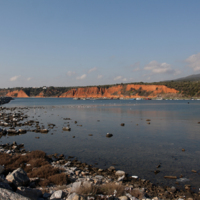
185	88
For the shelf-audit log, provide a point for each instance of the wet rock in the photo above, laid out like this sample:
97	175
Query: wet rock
22	131
122	124
44	130
183	149
33	194
10	195
18	177
187	187
66	128
90	134
194	171
109	135
170	177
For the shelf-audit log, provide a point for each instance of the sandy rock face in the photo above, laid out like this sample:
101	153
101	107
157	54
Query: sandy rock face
18	177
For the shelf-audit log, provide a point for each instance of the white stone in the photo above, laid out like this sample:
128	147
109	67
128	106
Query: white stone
57	195
123	198
75	186
120	173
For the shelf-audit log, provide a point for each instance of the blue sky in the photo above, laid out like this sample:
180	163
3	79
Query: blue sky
96	42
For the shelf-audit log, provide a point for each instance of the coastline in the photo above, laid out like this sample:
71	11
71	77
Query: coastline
72	179
150	190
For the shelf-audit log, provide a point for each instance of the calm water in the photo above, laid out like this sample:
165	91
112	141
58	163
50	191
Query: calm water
137	147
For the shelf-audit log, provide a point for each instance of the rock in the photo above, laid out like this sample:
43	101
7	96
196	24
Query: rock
46	195
5	185
122	124
121	178
57	195
33	194
123	198
75	196
18	177
109	135
44	131
66	128
71	196
120	173
75	186
22	130
10	195
194	171
1	169
171	177
111	168
173	189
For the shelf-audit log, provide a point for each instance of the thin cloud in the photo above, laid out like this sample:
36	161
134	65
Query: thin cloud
99	76
70	73
81	77
28	79
92	70
160	68
14	78
120	78
194	61
117	78
136	69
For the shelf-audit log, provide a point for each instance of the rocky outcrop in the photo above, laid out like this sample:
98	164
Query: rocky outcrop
116	91
126	91
17	93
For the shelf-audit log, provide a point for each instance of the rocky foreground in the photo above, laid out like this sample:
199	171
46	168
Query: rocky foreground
34	175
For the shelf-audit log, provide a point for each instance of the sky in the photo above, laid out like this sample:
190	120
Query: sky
97	42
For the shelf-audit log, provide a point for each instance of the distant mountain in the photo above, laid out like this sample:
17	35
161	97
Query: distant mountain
195	77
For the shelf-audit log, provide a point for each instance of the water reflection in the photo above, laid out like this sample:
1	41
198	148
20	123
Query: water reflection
137	147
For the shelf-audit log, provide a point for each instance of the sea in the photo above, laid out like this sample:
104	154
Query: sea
149	145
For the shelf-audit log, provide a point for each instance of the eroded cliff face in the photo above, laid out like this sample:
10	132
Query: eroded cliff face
126	91
17	93
118	91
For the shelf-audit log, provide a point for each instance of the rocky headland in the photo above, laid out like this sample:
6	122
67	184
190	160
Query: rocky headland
116	91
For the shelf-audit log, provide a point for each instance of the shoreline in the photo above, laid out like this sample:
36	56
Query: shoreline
126	179
80	179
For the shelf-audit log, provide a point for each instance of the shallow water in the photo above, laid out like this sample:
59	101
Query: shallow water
137	147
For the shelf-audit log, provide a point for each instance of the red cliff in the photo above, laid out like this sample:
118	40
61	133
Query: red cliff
126	91
17	93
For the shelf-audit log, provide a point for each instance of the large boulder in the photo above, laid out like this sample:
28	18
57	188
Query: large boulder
10	195
18	177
